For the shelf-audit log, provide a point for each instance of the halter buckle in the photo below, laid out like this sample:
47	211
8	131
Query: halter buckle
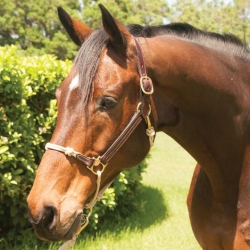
97	162
149	86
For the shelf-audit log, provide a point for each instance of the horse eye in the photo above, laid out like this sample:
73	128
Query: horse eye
107	103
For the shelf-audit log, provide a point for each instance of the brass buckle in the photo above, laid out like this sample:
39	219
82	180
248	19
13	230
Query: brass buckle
142	87
97	162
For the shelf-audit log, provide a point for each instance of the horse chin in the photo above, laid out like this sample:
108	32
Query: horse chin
74	229
64	235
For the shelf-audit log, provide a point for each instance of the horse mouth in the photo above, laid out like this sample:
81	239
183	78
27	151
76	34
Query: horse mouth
49	233
74	228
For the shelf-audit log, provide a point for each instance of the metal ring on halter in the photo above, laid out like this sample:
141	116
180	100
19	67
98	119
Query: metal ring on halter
139	108
85	220
97	162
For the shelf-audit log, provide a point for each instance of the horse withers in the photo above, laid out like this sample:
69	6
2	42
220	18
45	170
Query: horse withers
192	85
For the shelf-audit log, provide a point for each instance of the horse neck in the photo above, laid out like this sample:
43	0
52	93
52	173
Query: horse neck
207	91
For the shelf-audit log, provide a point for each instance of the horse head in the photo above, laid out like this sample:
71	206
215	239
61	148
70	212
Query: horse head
98	132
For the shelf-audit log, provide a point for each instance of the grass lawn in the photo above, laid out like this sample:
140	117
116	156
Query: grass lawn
163	224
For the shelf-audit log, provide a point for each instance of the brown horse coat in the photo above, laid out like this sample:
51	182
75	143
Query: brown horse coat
201	99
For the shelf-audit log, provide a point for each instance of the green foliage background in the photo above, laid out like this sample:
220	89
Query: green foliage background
33	26
27	117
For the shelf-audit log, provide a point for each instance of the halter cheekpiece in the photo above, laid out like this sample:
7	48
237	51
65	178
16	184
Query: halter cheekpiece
98	164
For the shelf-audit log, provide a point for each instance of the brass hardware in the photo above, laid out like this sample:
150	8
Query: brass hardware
85	220
138	109
97	162
142	87
150	131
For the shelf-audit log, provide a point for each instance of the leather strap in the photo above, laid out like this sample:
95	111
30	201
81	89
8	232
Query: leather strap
116	145
122	138
105	158
85	159
146	83
141	64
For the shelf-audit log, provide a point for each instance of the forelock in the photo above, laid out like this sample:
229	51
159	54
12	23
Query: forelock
87	61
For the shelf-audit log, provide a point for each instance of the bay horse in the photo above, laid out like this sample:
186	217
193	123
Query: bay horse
192	85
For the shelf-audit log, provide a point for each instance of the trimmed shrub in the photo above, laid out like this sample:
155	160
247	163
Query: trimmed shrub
27	119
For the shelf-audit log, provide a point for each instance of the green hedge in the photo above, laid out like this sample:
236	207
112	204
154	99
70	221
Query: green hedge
27	119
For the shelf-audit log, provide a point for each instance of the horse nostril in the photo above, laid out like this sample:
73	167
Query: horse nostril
48	218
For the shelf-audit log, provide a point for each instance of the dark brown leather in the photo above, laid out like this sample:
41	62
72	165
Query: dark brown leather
122	138
147	84
141	64
116	145
85	159
146	81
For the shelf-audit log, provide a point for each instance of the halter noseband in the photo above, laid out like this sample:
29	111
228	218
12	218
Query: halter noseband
98	164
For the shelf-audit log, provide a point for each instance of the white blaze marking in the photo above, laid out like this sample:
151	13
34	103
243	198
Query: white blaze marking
74	83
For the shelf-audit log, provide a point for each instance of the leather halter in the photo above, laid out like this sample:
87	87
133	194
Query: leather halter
143	111
98	165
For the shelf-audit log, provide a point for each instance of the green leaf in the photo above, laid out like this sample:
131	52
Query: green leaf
3	149
17	172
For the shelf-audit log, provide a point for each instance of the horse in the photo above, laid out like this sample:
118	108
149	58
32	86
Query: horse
126	84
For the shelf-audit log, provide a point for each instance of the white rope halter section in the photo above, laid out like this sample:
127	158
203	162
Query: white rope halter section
66	150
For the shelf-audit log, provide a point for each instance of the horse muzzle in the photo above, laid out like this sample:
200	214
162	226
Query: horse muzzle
48	226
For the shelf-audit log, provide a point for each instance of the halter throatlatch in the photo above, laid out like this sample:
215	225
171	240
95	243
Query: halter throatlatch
98	164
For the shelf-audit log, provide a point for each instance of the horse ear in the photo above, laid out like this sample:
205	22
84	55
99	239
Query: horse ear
118	34
77	30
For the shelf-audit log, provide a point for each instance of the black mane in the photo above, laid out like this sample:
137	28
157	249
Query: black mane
189	32
87	59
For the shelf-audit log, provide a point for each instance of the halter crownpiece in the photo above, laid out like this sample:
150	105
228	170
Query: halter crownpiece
98	164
